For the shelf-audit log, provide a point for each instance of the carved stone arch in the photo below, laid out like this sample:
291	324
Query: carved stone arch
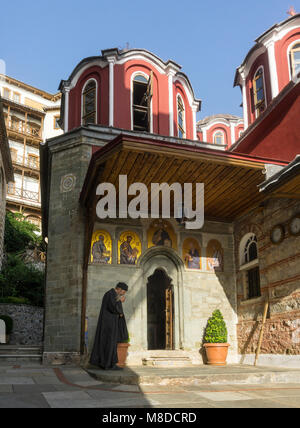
168	260
254	228
161	251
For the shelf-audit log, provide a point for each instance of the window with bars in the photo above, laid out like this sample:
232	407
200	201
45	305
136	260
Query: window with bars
252	274
89	103
295	59
180	118
259	92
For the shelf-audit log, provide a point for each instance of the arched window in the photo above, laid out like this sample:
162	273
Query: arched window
141	102
180	117
295	59
219	137
250	266
89	102
259	92
250	250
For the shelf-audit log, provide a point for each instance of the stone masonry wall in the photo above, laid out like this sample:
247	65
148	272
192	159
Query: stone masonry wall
65	248
28	323
279	275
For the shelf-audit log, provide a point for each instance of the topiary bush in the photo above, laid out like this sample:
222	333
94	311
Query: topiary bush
8	323
216	331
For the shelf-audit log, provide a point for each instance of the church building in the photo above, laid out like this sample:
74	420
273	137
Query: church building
129	113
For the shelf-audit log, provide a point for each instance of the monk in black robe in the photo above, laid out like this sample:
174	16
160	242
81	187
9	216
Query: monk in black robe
111	329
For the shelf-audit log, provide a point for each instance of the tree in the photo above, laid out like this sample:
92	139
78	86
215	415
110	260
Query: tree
20	278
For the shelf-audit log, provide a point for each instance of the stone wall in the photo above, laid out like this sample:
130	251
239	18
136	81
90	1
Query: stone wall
279	276
65	249
28	323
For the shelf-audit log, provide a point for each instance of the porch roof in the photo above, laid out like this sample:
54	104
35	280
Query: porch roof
230	180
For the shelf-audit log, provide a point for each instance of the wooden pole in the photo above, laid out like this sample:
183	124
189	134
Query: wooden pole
261	332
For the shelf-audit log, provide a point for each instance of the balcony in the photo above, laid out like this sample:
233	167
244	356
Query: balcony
23	194
28	162
23	127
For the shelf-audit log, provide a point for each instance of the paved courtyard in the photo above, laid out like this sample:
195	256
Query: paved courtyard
36	386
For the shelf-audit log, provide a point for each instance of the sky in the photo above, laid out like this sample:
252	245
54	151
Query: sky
42	41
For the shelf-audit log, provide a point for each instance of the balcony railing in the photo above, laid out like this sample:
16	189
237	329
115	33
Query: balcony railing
29	162
22	127
23	194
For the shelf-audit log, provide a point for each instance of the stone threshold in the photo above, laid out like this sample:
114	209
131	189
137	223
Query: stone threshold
197	375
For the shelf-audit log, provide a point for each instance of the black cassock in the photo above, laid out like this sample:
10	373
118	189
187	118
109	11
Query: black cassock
111	329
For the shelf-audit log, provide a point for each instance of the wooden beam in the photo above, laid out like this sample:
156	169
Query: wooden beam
261	332
286	195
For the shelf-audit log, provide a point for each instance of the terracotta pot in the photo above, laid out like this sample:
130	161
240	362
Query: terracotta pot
122	350
216	353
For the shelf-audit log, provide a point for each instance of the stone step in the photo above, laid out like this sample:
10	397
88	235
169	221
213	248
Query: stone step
8	349
166	353
166	361
12	353
20	358
197	375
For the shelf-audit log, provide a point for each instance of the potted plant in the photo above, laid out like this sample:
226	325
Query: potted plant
122	350
215	339
8	325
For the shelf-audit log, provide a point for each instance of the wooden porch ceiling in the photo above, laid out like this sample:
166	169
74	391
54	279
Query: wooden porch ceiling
290	189
230	181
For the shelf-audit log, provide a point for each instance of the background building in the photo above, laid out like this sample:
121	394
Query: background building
31	115
268	67
6	176
222	130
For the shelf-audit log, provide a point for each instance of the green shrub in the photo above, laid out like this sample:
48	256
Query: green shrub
20	279
8	323
216	331
15	300
19	233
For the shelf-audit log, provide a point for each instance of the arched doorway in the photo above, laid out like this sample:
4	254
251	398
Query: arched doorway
160	311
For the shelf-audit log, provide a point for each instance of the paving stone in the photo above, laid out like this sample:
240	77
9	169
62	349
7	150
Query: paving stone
181	398
34	400
223	396
69	399
11	380
66	395
250	404
65	387
6	388
72	404
287	401
33	388
46	380
116	400
275	392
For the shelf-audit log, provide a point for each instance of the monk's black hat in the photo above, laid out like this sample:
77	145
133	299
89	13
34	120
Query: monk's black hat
122	285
